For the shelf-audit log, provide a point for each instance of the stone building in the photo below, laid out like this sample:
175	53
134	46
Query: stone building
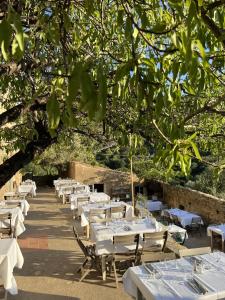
112	182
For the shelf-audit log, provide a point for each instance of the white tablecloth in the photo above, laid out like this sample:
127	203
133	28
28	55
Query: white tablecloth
94	198
10	257
25	206
178	233
86	209
27	188
61	181
154	205
17	219
184	217
220	229
103	234
172	279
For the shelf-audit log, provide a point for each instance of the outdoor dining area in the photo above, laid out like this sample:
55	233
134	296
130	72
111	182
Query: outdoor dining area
13	210
144	247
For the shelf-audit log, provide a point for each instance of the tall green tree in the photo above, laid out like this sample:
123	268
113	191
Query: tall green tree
149	68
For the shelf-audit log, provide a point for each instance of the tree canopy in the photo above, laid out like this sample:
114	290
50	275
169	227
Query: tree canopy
111	70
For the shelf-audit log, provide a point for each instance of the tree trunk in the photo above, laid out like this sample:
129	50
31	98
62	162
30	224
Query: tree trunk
13	164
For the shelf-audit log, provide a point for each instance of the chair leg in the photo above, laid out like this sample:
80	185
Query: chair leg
85	274
83	265
115	274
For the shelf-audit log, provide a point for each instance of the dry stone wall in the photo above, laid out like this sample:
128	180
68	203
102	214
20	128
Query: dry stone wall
212	209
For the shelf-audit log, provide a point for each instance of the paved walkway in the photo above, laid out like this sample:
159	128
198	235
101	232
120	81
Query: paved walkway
52	257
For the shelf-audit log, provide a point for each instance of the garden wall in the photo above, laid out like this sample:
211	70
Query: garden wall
211	208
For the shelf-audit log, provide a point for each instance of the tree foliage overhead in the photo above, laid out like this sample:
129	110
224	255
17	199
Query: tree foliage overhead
151	69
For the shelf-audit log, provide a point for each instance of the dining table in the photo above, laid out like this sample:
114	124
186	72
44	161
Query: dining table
185	217
10	257
17	219
94	197
85	210
28	188
199	277
24	205
102	235
218	229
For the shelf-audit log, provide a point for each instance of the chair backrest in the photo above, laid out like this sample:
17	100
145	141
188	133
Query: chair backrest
13	204
196	221
194	251
6	222
97	214
155	241
118	212
158	256
82	200
126	241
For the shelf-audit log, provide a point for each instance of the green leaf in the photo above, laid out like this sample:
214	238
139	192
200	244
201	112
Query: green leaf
195	148
5	38
74	82
14	19
53	111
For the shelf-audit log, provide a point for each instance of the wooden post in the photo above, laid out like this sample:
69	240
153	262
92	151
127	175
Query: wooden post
132	183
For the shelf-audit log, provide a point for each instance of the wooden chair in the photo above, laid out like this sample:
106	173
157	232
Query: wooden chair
125	248
158	256
6	229
118	212
195	225
167	217
92	261
80	202
175	220
194	251
13	204
153	242
98	214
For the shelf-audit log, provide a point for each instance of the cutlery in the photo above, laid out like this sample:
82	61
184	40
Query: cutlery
196	286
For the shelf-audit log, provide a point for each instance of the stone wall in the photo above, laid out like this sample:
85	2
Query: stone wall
12	184
212	209
111	179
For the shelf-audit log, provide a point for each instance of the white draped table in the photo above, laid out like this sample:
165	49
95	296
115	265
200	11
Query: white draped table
10	257
91	206
17	219
172	279
94	198
219	229
27	188
103	234
183	216
25	206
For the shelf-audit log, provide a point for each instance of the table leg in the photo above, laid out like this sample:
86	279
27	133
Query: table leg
103	268
222	243
211	241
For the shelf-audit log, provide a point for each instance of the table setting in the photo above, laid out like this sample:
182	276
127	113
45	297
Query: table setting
195	277
91	206
102	234
94	197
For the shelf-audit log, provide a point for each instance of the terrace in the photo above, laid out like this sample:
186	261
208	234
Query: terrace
52	256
